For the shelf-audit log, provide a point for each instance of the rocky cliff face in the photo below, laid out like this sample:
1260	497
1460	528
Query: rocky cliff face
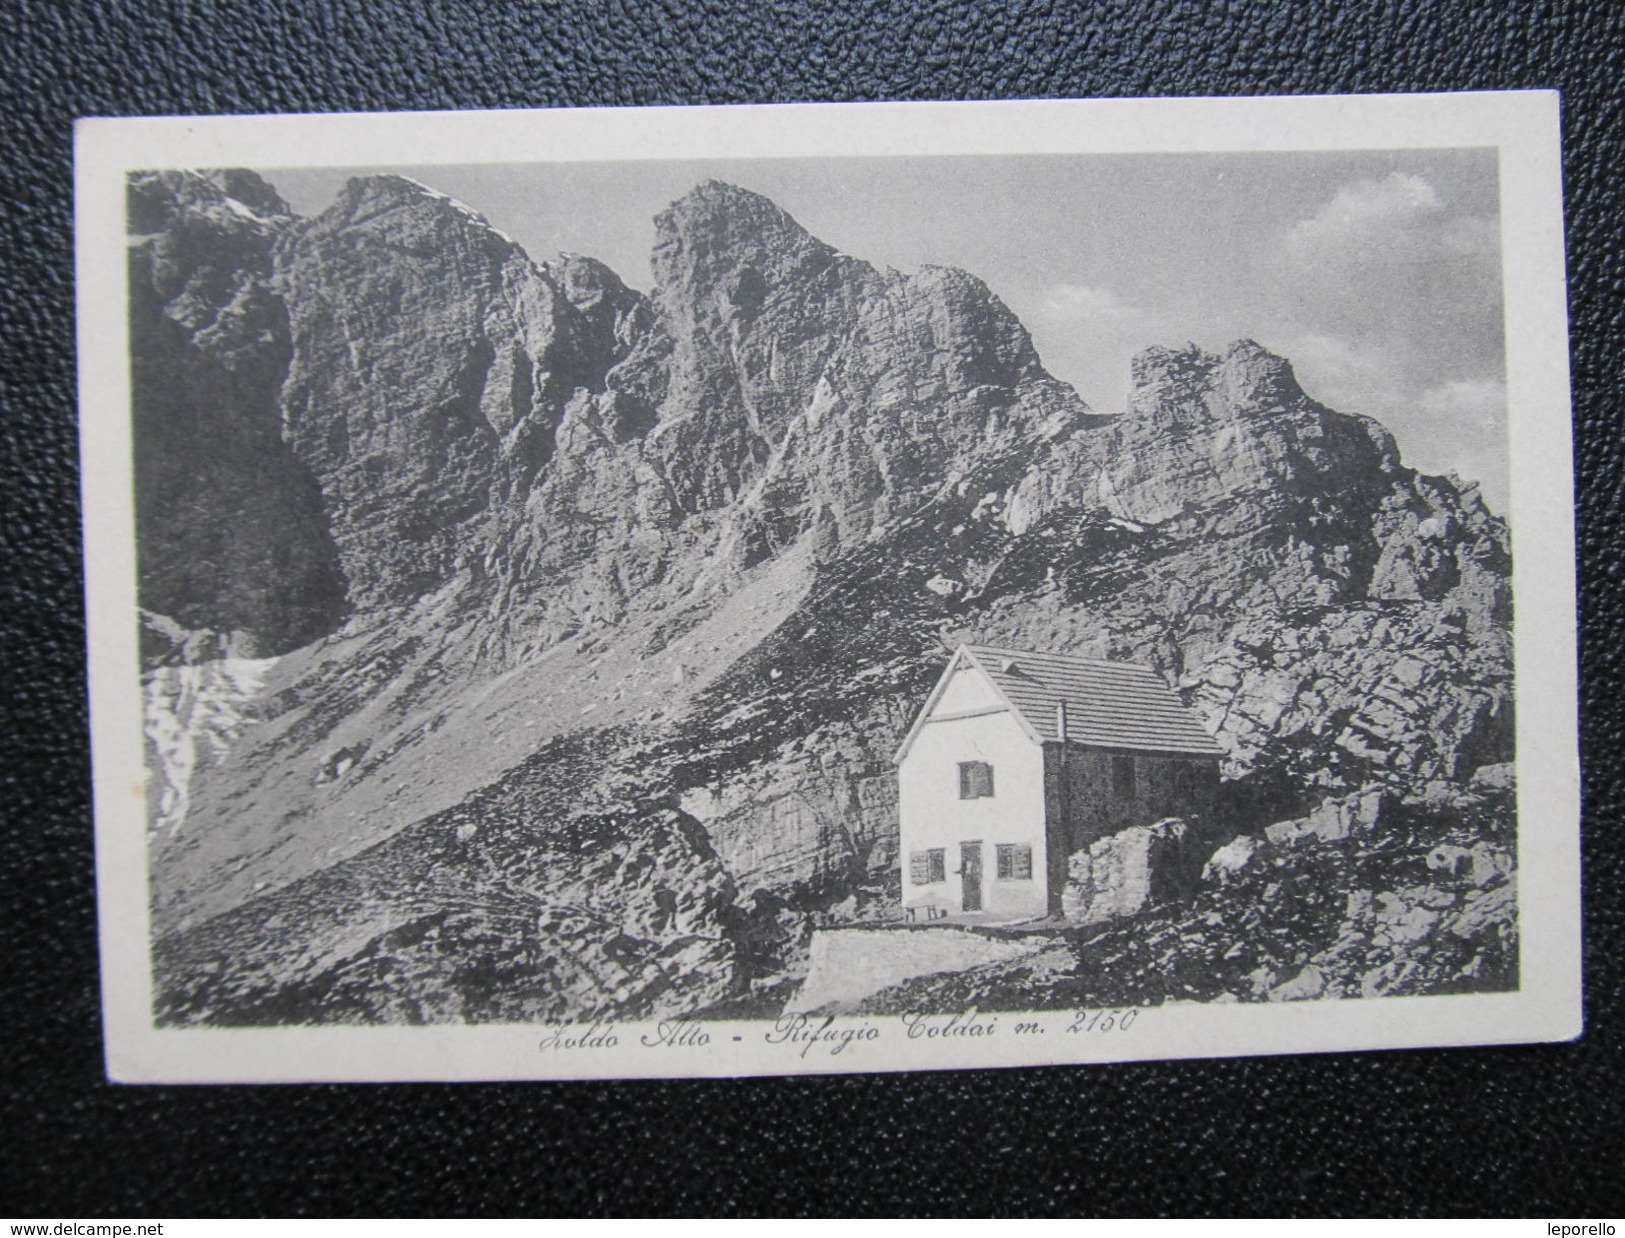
820	391
433	364
720	539
234	541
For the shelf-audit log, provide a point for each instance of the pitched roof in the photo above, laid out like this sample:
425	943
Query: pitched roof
1112	704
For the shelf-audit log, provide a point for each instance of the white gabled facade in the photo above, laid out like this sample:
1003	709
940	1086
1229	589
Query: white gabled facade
965	720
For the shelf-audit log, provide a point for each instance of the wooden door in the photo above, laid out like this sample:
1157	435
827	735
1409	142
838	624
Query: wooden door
970	875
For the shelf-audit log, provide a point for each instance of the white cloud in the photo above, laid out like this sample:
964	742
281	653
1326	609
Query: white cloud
1364	212
1390	296
1461	429
1085	334
1478	406
1084	305
1454	426
1392	257
1334	370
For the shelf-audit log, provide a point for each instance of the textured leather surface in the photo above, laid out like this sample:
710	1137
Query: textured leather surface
1509	1130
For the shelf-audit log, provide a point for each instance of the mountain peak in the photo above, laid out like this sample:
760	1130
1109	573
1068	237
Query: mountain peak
1255	377
582	277
713	192
1248	374
383	187
249	188
233	197
728	224
365	198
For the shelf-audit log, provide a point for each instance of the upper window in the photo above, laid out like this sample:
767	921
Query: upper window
975	780
1124	784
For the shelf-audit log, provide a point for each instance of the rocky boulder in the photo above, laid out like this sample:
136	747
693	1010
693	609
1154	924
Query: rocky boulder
1231	860
1336	818
1124	873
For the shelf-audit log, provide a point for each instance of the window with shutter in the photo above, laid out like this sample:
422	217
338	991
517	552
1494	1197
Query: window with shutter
1015	862
975	780
927	867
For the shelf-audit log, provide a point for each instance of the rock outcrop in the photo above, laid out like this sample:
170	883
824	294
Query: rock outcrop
814	395
520	904
1127	872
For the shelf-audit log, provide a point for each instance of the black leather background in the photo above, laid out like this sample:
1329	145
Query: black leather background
1537	1131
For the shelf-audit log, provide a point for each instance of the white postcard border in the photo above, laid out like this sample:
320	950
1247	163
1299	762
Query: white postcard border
1524	126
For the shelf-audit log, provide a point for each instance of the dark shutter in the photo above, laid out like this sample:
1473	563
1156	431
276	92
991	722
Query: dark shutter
1123	778
1015	862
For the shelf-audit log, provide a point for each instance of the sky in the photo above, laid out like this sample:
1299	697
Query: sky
1376	273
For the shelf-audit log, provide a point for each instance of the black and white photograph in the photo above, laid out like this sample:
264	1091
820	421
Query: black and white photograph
717	608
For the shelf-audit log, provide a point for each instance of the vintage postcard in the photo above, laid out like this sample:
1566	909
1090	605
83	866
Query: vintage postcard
873	587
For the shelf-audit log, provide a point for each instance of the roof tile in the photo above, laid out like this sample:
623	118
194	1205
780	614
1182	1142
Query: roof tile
1112	704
